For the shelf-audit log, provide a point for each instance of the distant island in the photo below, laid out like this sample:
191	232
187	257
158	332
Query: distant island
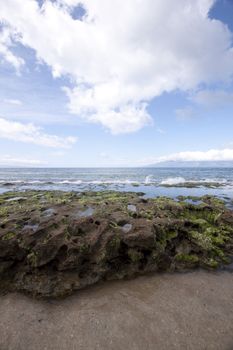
192	164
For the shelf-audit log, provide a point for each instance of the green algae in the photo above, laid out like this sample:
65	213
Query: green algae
202	240
3	211
32	258
147	214
187	258
166	235
8	236
134	255
200	222
115	242
202	226
211	263
113	225
102	197
84	248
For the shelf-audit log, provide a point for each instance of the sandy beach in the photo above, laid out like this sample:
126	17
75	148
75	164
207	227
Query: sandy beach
161	311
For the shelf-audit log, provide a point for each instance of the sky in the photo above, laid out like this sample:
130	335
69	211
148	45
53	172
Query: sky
115	83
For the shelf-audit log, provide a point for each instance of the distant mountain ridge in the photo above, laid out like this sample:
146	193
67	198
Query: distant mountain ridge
192	164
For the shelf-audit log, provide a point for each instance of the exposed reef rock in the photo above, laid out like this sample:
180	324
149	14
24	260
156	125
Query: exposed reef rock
194	184
52	243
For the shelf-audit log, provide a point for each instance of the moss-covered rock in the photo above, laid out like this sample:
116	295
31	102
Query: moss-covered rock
52	243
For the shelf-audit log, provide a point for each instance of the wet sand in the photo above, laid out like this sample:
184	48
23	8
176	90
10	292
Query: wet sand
166	311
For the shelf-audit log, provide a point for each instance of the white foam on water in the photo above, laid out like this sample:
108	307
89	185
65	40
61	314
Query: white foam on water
95	182
72	182
148	179
105	182
173	181
110	182
180	180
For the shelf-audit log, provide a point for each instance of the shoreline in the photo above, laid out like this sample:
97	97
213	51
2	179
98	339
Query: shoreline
149	190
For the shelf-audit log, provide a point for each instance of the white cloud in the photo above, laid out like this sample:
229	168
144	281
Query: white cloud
210	155
213	98
119	58
30	133
127	119
15	161
5	49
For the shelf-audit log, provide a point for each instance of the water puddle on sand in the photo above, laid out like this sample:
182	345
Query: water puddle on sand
31	227
127	227
16	199
85	213
49	212
193	201
228	202
132	208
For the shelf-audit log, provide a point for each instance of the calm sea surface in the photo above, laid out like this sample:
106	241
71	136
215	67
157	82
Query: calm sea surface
151	181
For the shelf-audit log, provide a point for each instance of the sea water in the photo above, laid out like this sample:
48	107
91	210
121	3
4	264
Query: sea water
153	182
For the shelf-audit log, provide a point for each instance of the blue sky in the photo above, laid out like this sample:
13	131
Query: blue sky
84	88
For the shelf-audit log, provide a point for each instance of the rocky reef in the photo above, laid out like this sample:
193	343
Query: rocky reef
195	184
52	243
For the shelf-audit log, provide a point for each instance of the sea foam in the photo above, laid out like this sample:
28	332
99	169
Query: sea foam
173	181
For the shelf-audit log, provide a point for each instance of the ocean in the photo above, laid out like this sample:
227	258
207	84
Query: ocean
153	182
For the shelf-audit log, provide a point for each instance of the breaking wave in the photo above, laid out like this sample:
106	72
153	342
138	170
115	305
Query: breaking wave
148	180
173	181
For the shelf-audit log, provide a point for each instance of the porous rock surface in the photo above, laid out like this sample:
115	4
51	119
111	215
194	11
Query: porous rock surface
52	243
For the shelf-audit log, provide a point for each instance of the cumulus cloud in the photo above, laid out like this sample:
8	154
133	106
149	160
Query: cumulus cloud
120	58
193	156
125	118
29	133
214	155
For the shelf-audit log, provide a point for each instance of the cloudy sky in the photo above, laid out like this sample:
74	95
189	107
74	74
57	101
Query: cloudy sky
115	83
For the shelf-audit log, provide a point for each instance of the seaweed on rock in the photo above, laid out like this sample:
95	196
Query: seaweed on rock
48	249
